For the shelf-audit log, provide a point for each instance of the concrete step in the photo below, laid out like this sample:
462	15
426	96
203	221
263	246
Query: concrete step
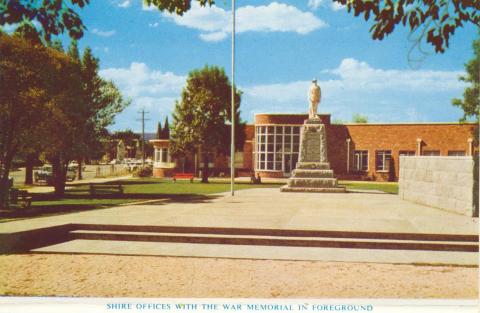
302	173
161	249
338	189
312	182
273	240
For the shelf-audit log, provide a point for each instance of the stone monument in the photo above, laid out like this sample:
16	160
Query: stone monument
312	172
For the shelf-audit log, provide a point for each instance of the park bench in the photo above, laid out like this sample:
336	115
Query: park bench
20	198
94	188
183	176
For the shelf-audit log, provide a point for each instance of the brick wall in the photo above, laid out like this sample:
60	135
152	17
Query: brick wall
397	137
448	183
442	137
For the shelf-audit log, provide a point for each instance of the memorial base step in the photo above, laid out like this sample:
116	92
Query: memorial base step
301	173
339	189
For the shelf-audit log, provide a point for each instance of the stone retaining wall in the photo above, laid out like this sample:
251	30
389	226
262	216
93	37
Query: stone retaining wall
444	182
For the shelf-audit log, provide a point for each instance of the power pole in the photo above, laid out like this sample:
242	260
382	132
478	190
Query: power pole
143	119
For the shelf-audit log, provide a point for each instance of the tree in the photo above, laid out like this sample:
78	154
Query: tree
166	129
436	21
101	101
54	17
360	119
470	103
200	118
29	153
159	131
37	83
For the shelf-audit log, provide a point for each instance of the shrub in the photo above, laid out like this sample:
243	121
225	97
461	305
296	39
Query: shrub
146	171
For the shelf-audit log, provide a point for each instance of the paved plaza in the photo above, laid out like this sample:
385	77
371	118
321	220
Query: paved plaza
268	209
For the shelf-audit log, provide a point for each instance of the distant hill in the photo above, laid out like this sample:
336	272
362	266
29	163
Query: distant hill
149	136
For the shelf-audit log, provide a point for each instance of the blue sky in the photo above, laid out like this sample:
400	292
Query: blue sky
281	46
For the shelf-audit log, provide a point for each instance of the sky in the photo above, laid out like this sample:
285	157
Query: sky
280	47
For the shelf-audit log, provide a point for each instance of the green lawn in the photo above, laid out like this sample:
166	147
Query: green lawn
135	190
361	185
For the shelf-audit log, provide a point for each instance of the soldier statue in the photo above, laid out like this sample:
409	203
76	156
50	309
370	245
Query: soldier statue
314	94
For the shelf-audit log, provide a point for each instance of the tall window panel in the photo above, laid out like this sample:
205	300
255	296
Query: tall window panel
360	160
277	147
382	160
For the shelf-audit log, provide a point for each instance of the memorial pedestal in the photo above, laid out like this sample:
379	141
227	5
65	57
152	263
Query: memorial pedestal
313	173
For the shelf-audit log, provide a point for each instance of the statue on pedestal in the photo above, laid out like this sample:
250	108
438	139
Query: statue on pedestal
312	172
314	94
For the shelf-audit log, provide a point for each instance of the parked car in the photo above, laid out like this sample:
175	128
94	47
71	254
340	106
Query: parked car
71	173
44	174
133	165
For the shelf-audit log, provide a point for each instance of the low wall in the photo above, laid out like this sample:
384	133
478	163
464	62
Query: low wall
449	183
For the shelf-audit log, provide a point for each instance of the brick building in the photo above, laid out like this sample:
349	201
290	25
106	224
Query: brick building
355	151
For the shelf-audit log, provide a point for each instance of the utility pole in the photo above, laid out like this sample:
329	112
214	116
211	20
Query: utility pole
143	119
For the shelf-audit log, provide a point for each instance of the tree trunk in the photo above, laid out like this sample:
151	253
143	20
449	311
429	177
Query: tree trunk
205	168
59	176
4	182
29	168
79	172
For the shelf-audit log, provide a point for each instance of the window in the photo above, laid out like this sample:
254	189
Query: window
360	160
382	160
164	156
161	155
277	147
431	152
406	153
456	153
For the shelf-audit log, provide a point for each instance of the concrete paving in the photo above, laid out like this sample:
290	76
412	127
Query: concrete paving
271	209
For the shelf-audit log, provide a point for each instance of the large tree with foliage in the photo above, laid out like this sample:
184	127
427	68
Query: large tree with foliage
36	86
470	103
101	101
200	119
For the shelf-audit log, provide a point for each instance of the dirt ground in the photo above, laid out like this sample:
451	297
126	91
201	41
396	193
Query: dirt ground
144	276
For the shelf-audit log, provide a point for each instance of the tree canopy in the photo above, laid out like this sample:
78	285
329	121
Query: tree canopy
54	17
200	119
360	119
176	6
435	21
470	103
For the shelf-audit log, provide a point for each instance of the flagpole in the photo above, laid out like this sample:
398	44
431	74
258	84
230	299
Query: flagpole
232	146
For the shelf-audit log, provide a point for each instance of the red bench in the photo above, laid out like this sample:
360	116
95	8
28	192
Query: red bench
183	176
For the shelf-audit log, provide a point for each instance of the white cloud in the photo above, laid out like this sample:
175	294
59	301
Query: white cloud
335	6
139	80
125	4
385	95
213	37
122	3
215	22
155	24
314	4
103	33
152	89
